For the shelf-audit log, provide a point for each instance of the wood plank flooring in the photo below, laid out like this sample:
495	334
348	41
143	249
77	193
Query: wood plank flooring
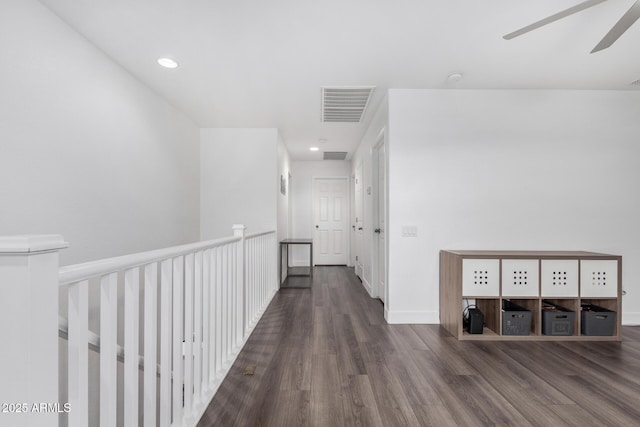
326	357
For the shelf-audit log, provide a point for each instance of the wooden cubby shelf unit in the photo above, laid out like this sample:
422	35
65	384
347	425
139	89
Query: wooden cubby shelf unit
566	279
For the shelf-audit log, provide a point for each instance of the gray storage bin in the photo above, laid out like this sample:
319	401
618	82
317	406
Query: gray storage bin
596	321
516	320
557	320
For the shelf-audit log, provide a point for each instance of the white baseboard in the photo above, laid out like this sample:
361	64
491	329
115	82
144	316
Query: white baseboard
299	263
632	318
412	317
367	286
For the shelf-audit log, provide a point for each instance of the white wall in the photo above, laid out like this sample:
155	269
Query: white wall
303	173
86	150
239	180
538	170
363	155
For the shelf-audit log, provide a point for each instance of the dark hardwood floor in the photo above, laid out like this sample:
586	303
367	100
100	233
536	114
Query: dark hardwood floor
326	357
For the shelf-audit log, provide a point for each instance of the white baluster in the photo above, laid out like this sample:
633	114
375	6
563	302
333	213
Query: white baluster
166	289
206	313
273	259
260	277
252	267
236	293
178	280
232	300
239	231
131	345
263	289
78	354
188	334
150	343
256	278
197	318
229	301
218	323
108	349
247	286
225	306
213	346
267	254
252	284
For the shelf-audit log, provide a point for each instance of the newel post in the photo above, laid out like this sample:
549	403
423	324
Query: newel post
239	231
29	329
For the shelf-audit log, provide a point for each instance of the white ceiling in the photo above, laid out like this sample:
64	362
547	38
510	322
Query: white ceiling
252	63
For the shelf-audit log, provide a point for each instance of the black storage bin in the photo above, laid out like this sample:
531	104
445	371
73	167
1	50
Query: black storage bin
557	320
597	321
516	320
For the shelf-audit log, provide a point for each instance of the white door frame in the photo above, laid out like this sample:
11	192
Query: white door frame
347	214
375	253
358	234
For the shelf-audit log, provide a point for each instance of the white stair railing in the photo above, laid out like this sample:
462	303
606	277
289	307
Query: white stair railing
185	312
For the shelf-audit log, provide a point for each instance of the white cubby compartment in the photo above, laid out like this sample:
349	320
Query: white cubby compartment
520	278
559	278
481	277
599	278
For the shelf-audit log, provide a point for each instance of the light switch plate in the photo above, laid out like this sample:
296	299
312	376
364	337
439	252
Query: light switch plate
409	231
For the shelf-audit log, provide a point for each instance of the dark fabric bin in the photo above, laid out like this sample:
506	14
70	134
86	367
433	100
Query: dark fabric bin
557	320
597	321
516	320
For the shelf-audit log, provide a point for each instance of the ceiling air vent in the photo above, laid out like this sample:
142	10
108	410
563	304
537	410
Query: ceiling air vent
345	104
635	83
334	155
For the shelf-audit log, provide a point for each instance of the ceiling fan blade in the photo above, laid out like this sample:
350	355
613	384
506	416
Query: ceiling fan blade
575	9
621	26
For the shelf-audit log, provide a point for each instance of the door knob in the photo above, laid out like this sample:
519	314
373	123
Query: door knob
317	226
377	230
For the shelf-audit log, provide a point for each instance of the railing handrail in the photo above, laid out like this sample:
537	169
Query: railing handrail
88	270
254	235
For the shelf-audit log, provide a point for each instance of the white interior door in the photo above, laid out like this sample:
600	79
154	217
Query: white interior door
330	198
380	230
358	223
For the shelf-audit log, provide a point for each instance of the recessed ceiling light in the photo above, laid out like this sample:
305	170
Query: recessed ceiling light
167	63
314	148
454	78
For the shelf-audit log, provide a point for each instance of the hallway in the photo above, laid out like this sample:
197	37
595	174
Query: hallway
325	356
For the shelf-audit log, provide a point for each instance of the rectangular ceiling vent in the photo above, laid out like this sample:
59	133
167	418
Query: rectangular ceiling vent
334	155
635	83
345	104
